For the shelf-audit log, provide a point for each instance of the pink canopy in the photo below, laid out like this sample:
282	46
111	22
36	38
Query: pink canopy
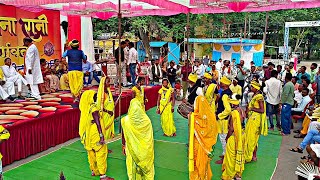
105	9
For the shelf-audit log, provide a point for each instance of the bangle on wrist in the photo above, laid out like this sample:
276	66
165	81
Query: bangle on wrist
101	135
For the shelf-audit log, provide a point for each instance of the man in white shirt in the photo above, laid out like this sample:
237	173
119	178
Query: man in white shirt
32	68
219	64
6	88
304	102
298	94
227	70
12	75
198	69
132	62
273	91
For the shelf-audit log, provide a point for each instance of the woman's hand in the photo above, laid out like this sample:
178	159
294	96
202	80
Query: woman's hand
101	140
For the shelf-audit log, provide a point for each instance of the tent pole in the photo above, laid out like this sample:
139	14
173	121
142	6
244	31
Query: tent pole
245	27
265	31
188	33
119	61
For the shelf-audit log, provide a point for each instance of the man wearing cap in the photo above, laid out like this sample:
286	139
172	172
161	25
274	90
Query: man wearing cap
223	112
210	91
32	68
75	74
194	90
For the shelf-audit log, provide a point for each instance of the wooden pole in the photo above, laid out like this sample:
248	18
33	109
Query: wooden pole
119	61
188	35
265	30
245	27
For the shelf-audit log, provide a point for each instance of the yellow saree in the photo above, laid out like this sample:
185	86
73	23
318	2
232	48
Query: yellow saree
105	102
75	79
139	95
89	134
233	162
203	136
64	82
211	96
167	122
256	125
138	134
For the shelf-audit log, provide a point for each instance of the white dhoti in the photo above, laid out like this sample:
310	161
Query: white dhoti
7	90
33	87
17	80
223	141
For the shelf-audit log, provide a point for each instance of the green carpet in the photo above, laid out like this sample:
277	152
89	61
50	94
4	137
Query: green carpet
171	161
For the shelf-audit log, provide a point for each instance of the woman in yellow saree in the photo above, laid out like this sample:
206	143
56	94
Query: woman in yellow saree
165	104
138	92
233	162
203	136
92	135
257	123
106	106
139	148
210	91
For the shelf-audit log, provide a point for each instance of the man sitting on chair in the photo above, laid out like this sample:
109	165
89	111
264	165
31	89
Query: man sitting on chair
87	71
9	86
13	76
304	102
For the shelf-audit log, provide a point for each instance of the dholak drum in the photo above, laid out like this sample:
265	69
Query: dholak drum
184	109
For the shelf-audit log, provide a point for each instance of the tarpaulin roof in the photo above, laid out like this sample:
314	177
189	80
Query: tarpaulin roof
105	9
157	43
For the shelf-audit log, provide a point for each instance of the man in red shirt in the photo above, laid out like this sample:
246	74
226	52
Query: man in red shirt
185	71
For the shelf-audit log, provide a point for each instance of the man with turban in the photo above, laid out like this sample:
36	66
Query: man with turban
75	74
223	112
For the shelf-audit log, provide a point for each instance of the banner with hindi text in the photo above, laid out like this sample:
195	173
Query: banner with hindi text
43	27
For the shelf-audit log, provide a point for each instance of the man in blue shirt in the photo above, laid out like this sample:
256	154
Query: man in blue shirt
75	74
303	73
87	71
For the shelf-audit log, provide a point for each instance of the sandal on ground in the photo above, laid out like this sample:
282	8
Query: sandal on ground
297	149
296	131
283	134
299	136
306	157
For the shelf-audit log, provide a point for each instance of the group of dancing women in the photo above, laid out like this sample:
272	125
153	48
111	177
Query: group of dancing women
216	112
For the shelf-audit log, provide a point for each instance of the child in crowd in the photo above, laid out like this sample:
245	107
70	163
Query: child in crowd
4	135
177	89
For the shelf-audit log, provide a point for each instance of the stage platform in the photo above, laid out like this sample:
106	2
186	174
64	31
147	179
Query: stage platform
35	126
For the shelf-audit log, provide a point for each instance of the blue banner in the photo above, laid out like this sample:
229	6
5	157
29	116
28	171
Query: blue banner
174	52
216	55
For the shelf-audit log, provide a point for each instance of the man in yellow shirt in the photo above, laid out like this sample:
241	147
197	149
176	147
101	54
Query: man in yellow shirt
235	87
4	135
